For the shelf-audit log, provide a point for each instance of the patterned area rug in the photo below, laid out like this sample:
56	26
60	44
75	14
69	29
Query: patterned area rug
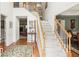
18	51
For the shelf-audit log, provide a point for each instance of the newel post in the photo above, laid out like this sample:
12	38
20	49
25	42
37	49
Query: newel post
69	45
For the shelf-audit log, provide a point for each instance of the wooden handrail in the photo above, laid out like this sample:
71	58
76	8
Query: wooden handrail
68	37
63	28
39	34
42	30
42	40
43	34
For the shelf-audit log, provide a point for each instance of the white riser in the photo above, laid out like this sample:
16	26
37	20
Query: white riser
47	30
47	33
49	37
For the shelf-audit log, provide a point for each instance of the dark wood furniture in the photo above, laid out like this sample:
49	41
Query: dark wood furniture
78	39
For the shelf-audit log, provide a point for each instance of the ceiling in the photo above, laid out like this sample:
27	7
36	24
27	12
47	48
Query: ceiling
75	8
72	11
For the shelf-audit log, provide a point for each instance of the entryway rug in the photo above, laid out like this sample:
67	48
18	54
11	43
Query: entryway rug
18	51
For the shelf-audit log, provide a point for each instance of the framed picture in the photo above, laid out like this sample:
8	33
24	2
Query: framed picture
72	23
46	5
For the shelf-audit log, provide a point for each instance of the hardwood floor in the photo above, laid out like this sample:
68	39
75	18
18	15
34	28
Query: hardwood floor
2	45
23	41
35	50
74	54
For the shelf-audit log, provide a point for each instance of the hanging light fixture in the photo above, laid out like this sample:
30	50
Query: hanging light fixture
38	5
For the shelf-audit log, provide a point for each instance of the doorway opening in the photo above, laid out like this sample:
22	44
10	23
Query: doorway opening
3	32
23	27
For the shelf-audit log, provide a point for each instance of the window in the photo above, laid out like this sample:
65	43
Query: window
16	4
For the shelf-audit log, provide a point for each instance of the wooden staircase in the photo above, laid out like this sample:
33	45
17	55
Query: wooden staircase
69	49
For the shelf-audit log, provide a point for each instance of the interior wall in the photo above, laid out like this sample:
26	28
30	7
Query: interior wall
0	25
12	33
6	9
67	22
21	12
17	30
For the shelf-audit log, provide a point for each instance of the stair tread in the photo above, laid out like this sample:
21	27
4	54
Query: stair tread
50	52
52	46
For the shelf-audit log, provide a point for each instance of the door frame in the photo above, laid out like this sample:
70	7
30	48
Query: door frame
25	17
4	38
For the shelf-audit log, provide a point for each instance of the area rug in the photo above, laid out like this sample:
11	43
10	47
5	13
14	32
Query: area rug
18	51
